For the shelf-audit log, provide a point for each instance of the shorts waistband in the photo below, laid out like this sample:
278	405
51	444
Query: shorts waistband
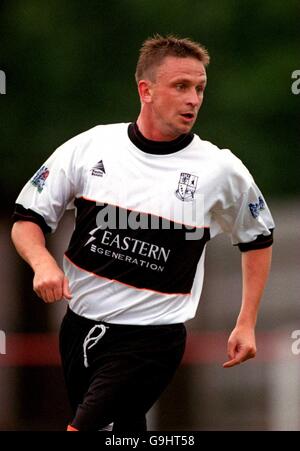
90	322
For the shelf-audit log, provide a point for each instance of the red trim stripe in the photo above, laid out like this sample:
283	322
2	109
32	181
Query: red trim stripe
143	212
71	428
123	283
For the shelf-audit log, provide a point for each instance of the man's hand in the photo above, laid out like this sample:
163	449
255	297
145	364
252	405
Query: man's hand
50	283
241	346
255	269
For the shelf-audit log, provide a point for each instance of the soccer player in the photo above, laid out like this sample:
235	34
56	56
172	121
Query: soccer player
148	195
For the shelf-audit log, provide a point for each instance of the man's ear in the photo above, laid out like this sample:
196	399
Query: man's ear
145	91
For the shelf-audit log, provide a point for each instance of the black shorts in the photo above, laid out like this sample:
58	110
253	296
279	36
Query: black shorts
115	373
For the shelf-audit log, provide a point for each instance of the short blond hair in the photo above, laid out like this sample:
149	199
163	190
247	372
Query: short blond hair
158	47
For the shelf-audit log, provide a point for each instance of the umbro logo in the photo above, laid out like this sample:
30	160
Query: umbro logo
98	170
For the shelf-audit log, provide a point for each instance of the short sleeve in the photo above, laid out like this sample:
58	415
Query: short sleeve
242	212
50	191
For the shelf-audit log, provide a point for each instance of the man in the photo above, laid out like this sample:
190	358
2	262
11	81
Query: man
148	196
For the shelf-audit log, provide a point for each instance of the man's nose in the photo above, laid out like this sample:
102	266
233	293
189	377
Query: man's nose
194	98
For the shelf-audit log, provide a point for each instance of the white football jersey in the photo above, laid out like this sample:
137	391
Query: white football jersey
144	213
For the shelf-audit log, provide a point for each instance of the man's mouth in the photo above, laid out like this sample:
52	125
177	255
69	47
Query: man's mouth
188	116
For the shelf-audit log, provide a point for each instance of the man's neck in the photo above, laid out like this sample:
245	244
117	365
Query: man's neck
151	132
157	147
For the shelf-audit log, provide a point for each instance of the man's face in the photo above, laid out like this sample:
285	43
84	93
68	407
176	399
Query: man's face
176	95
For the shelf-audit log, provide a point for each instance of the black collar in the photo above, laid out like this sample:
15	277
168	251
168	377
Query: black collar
157	147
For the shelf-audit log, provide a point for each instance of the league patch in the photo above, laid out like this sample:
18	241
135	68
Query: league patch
256	208
39	178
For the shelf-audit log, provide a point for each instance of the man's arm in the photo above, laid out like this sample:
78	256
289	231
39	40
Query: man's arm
49	281
255	269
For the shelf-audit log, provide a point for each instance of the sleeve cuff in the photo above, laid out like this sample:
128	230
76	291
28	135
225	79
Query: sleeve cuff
261	242
26	214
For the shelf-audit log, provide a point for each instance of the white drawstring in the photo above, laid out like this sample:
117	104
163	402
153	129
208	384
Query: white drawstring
94	340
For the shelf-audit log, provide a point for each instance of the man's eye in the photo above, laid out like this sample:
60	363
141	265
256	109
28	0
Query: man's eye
200	89
180	87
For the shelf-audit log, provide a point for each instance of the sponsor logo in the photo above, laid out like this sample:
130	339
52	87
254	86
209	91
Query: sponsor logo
98	170
127	258
142	253
186	187
39	179
256	208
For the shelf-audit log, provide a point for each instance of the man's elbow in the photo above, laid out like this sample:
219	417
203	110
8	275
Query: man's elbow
25	229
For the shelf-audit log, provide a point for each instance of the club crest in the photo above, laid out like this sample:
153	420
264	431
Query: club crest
186	187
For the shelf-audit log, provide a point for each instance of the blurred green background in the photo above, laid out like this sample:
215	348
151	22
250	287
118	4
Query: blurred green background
69	66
